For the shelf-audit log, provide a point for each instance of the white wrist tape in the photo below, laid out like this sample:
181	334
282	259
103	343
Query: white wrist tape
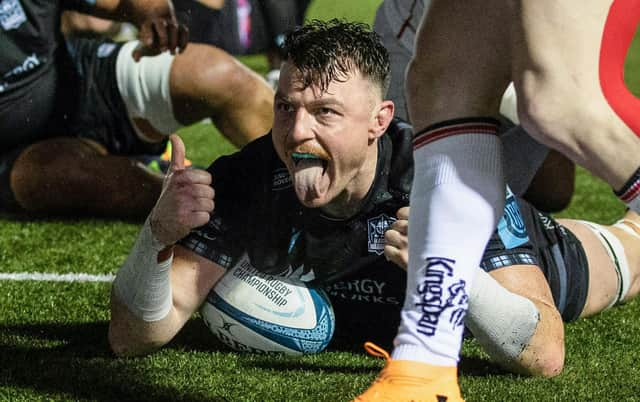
502	322
616	252
143	284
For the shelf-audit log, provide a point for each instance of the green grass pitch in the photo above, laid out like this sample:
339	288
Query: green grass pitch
53	343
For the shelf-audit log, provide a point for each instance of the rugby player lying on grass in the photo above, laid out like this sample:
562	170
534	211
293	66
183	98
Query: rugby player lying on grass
312	201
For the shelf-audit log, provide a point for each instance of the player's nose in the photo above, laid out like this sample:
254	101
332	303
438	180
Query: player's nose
300	130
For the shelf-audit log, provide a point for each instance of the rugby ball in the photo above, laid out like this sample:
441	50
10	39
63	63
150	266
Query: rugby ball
254	312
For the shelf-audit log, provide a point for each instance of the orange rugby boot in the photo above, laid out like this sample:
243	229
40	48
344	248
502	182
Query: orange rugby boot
406	380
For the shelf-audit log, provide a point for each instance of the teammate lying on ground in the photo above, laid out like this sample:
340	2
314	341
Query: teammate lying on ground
312	200
73	112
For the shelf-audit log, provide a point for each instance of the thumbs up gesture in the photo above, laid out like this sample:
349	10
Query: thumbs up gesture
186	200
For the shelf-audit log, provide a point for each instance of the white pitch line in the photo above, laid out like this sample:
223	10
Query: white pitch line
52	277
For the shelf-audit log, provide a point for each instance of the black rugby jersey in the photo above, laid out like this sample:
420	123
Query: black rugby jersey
257	212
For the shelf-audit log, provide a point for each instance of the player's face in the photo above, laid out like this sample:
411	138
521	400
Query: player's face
327	139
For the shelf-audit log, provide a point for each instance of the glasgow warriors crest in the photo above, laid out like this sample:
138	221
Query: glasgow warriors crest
11	14
375	232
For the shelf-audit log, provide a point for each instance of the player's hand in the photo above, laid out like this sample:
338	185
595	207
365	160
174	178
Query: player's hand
186	201
396	248
161	33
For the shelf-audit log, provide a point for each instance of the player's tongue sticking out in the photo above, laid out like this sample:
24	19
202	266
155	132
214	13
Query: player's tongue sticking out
309	175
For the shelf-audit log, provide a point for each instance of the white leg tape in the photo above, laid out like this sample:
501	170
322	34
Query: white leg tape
144	87
615	250
629	226
501	321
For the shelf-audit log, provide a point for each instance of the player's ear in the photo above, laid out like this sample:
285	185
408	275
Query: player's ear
383	114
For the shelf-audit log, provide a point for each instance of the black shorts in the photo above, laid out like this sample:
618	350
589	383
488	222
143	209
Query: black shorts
557	252
367	303
77	97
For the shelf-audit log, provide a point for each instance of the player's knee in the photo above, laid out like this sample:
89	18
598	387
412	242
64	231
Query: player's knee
24	184
551	189
222	75
122	344
553	116
206	81
40	164
542	117
117	347
419	72
549	363
121	348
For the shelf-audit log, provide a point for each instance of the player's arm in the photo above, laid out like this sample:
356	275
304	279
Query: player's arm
514	318
191	278
160	285
158	27
511	311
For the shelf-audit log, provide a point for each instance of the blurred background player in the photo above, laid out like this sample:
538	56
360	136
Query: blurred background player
244	27
571	98
74	23
74	111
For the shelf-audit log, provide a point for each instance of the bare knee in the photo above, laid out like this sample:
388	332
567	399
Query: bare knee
33	170
555	115
542	115
551	189
547	363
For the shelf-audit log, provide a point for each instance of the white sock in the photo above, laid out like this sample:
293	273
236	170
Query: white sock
457	197
630	192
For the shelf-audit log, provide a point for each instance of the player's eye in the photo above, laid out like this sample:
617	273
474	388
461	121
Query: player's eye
284	107
326	111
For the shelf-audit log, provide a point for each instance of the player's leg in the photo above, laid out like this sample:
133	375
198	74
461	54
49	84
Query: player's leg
552	186
537	276
613	253
72	176
458	189
208	82
165	92
513	317
398	40
560	86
